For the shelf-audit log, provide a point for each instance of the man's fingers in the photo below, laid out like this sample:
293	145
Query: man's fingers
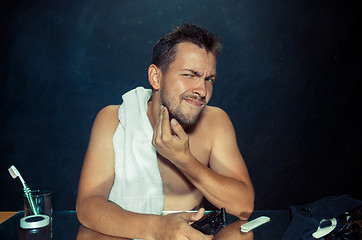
192	217
196	234
165	124
197	216
158	130
178	129
189	232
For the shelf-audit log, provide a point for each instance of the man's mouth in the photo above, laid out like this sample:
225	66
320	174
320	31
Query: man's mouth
195	102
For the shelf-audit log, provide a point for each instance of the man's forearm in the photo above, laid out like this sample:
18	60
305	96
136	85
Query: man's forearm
232	193
108	218
235	196
103	216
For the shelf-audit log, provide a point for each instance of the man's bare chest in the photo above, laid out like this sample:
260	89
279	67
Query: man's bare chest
174	181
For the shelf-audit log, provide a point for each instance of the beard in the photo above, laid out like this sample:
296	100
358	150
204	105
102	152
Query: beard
177	112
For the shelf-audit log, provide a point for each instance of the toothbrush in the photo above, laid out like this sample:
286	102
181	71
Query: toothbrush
15	173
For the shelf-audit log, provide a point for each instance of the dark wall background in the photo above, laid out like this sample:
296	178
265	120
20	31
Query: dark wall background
288	77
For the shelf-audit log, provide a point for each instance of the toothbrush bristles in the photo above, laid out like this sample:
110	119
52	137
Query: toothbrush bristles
13	172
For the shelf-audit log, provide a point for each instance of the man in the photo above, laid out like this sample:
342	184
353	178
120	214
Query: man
195	149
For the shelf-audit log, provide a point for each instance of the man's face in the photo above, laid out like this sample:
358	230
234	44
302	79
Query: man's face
186	87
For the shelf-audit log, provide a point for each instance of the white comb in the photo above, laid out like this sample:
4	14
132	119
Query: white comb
254	224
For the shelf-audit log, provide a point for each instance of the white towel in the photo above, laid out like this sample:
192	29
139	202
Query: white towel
137	185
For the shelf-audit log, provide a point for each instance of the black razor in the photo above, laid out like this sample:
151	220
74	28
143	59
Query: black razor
211	223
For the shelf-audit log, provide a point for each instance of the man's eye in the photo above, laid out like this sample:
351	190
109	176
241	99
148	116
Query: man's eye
209	79
187	75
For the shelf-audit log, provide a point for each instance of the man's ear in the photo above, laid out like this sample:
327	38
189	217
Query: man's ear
154	76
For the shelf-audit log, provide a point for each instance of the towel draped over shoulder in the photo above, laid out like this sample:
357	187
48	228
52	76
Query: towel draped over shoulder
137	184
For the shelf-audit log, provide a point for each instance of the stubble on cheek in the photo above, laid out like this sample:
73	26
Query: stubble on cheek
180	109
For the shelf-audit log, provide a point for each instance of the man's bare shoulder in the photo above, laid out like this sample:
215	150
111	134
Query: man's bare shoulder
215	116
107	118
109	112
216	124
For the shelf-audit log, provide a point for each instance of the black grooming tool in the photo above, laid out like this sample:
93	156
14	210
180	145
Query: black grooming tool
212	222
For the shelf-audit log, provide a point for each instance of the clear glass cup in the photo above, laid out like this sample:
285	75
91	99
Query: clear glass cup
43	203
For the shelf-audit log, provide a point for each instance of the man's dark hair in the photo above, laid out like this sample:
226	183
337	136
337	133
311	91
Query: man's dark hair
164	51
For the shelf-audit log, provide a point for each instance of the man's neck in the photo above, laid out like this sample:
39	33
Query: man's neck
153	109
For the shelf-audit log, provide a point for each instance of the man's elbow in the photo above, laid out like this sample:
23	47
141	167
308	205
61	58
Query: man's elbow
78	210
245	206
81	213
246	211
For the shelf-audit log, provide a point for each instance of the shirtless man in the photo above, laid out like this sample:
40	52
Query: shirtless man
197	152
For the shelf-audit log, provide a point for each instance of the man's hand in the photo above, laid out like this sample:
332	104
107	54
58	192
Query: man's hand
170	139
177	226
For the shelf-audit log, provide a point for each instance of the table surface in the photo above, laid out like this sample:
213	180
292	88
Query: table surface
6	215
66	226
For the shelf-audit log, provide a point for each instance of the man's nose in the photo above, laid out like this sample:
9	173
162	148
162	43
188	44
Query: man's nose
200	87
